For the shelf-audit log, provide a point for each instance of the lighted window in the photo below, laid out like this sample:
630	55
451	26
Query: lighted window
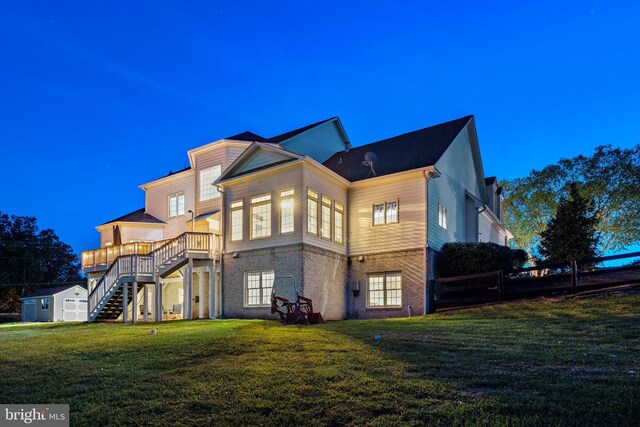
325	230
442	216
261	217
176	205
44	303
237	213
385	213
338	223
209	191
312	212
258	287
384	290
286	211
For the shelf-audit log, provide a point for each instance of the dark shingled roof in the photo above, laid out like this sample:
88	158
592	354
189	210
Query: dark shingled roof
248	136
409	151
45	292
291	134
137	216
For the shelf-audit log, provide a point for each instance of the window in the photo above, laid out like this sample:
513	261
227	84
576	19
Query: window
261	216
286	212
385	213
338	226
442	216
237	212
44	303
209	191
312	212
176	205
384	290
258	286
325	230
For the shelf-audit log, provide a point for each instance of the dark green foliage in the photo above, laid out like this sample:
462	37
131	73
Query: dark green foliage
29	255
572	233
460	259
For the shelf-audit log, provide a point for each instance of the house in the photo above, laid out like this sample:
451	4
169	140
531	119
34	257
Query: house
60	304
357	228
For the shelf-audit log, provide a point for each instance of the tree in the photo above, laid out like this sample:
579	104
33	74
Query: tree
30	257
571	234
610	177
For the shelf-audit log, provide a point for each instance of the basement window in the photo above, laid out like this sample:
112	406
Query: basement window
384	290
257	288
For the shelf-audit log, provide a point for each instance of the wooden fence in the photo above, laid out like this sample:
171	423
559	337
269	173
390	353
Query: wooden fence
562	278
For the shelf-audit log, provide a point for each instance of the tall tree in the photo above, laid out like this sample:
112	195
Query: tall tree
571	234
30	256
610	177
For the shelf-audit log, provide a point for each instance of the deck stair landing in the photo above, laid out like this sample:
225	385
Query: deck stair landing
106	297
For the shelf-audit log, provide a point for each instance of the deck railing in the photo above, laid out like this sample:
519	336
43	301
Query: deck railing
104	257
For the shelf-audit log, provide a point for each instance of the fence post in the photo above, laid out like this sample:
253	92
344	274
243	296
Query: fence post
574	277
500	285
431	300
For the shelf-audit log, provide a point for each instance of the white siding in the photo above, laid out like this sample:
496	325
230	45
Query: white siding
140	233
106	235
337	192
490	231
458	173
408	233
319	143
262	158
272	183
157	202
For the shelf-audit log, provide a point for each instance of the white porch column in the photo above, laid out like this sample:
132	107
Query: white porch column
190	286
145	304
134	302
125	308
158	297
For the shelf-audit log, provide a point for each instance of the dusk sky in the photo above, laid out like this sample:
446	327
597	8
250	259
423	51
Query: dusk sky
101	97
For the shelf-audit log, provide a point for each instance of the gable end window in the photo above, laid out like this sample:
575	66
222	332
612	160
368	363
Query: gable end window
384	290
442	216
176	205
386	213
261	217
209	191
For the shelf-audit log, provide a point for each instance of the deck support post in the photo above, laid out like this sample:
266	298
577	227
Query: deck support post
158	297
125	298
145	303
190	289
134	302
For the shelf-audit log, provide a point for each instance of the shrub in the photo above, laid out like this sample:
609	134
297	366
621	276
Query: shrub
460	259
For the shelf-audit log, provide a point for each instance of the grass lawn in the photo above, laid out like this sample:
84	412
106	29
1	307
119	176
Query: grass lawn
539	363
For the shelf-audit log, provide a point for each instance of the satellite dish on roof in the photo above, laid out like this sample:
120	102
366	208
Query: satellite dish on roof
369	159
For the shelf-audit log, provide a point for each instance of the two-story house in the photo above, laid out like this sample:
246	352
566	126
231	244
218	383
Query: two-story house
356	228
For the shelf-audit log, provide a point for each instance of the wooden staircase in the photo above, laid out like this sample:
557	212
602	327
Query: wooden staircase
105	300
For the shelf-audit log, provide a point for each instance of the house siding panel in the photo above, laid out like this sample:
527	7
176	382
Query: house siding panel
157	202
408	233
319	143
146	234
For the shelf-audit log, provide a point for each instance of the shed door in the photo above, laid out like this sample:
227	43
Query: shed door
29	311
73	309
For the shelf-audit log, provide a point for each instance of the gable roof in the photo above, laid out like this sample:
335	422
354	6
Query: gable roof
400	153
288	135
45	292
258	156
137	216
248	136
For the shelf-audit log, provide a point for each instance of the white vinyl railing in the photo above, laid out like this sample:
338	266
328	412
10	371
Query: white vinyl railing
146	264
104	257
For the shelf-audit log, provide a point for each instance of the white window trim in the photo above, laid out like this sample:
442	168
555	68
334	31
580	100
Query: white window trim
246	287
384	213
236	205
264	199
287	195
384	288
205	183
176	196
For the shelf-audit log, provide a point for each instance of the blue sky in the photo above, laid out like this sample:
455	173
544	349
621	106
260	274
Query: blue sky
100	97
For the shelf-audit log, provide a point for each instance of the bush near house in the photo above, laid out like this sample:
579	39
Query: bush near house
460	259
